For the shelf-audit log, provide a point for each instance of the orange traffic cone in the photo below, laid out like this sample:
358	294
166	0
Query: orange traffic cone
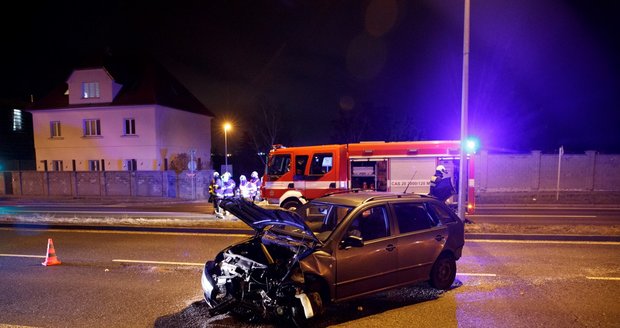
50	258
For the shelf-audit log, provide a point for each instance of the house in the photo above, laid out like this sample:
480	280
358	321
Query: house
120	114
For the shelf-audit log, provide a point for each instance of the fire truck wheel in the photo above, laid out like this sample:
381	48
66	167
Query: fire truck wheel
291	204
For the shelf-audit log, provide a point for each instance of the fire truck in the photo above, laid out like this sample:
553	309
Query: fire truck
298	174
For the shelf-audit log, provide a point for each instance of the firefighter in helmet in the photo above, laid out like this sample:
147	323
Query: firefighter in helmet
216	193
441	186
254	185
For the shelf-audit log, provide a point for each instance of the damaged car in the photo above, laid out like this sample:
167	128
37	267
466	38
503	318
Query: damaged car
335	248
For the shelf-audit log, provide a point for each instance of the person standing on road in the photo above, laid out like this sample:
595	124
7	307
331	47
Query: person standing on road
254	186
244	188
218	191
441	186
229	185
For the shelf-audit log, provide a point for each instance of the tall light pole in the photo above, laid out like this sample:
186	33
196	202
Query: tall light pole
464	98
227	127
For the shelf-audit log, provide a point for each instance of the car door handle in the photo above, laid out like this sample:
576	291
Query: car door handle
390	247
439	238
291	186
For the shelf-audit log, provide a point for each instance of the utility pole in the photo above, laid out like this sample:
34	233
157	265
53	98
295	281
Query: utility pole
463	178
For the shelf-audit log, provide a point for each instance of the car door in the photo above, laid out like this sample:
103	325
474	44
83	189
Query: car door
365	269
420	240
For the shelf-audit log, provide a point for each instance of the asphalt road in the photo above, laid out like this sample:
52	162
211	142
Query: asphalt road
133	279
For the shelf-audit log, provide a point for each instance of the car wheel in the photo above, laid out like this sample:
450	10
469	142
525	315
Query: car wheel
443	272
291	205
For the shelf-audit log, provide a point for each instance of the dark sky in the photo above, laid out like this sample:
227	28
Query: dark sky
543	73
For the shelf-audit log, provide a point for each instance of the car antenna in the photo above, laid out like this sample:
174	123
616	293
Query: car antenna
408	184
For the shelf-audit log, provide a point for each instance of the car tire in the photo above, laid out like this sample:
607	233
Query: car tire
443	272
291	204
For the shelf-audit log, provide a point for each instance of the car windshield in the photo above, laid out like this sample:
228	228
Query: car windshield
323	218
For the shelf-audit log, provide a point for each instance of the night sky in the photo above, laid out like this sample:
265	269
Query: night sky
543	73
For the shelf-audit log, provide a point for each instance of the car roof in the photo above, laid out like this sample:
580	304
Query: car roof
355	198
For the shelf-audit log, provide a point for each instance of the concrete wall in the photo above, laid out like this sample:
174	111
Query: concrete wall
107	184
539	172
533	172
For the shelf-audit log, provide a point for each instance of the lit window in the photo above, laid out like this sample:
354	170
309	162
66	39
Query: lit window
90	90
92	127
93	165
55	129
130	126
17	120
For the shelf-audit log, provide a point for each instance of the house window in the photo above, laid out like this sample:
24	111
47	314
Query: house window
56	165
90	90
93	165
132	165
55	129
130	127
92	127
17	120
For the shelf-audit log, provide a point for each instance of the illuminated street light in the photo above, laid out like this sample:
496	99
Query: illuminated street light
227	127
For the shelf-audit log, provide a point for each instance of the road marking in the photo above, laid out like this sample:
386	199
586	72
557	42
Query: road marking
576	242
529	216
23	255
603	278
476	274
158	262
213	234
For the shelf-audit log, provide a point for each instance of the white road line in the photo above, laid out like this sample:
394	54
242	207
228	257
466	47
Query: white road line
603	278
576	242
476	274
220	234
23	255
158	262
529	216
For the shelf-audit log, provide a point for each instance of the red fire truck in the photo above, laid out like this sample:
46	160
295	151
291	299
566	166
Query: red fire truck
298	174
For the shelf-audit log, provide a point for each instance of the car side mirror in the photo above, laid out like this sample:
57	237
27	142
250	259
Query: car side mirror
351	241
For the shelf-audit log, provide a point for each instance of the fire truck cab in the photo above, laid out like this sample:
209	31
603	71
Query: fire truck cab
298	174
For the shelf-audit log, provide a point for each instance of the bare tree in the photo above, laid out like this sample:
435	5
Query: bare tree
268	127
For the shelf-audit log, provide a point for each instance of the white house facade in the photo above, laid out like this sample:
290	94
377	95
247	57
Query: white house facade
98	124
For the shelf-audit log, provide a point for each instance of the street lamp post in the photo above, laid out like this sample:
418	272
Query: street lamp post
465	89
227	127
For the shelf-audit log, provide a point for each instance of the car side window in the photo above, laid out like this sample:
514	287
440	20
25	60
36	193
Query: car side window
370	224
443	214
412	217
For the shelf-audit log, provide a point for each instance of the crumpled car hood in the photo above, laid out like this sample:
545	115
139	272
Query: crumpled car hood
258	218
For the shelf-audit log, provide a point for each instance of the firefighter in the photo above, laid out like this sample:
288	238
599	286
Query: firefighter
254	186
218	193
229	185
441	187
244	188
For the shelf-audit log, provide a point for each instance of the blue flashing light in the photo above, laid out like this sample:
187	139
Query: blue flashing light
471	145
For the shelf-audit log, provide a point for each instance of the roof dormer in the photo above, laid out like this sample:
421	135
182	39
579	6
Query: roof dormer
91	86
